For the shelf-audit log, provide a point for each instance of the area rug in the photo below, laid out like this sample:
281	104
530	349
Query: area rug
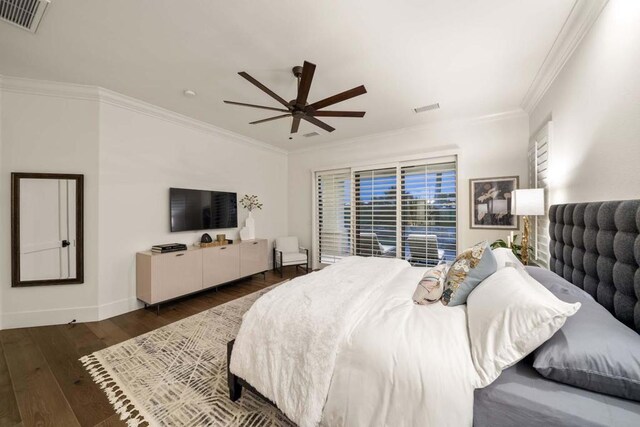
177	375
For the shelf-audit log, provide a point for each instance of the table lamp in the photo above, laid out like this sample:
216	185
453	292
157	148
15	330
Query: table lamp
525	203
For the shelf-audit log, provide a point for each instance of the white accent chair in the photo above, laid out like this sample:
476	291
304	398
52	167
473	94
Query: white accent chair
287	251
424	250
369	245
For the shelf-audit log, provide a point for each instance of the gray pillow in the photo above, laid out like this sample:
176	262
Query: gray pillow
471	267
593	350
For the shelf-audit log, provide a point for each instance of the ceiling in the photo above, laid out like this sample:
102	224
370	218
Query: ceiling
473	57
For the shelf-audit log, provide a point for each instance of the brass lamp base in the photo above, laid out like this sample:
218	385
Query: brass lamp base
524	251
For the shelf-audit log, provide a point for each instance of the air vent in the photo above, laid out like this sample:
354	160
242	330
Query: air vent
310	134
427	108
25	14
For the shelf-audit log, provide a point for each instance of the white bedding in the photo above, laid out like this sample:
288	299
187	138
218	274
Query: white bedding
347	346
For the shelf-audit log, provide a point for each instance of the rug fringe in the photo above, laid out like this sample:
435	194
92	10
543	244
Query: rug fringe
116	397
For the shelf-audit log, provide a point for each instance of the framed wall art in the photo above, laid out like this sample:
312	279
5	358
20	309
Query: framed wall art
491	203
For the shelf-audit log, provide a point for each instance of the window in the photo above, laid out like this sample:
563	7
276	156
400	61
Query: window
429	232
375	212
333	210
539	178
405	210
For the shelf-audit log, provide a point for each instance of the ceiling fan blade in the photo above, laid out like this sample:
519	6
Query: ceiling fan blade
295	124
348	94
326	113
318	123
256	106
264	89
305	83
269	119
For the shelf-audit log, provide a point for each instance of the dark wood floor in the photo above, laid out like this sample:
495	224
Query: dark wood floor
43	384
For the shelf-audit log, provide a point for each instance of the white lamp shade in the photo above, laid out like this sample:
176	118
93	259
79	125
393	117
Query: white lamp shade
527	202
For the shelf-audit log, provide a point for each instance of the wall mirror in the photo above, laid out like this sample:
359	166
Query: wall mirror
46	229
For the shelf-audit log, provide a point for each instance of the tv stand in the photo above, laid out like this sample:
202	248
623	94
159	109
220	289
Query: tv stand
163	277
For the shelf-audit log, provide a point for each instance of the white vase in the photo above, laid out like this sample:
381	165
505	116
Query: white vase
248	232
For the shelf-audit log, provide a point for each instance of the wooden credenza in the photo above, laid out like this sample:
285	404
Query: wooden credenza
161	277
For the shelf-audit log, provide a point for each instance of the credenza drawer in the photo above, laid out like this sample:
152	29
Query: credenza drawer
175	274
220	264
253	257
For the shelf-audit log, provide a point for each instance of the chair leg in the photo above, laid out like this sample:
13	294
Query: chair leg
281	266
274	259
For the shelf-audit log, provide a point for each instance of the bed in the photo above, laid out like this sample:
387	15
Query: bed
381	350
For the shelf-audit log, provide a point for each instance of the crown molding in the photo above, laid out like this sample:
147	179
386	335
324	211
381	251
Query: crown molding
48	88
469	121
583	15
106	96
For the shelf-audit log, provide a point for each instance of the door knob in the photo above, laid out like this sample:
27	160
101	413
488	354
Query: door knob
65	243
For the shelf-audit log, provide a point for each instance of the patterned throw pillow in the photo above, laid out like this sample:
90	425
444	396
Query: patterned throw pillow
431	285
469	269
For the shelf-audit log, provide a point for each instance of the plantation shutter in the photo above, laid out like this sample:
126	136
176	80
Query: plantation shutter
539	178
375	212
429	206
333	210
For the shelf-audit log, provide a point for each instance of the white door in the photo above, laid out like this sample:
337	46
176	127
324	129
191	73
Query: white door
47	229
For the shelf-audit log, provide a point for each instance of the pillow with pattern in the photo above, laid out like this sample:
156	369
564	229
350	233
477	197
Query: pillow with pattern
431	285
470	268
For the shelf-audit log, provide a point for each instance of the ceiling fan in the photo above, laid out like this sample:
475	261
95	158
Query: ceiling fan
299	108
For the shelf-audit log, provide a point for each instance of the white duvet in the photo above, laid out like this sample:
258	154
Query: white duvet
346	346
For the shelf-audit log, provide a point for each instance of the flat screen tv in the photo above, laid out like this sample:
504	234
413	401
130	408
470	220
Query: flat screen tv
202	210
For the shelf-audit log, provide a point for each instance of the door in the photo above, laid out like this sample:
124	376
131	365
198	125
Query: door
47	229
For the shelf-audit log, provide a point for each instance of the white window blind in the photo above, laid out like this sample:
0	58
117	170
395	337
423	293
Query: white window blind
429	200
539	178
375	212
405	210
333	211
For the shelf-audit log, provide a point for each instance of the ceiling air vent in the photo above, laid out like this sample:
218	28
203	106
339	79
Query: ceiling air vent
26	14
310	134
427	108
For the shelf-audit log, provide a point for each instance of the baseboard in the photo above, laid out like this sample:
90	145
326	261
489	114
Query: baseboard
27	319
61	316
116	308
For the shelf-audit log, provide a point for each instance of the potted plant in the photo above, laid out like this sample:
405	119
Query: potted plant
250	203
515	247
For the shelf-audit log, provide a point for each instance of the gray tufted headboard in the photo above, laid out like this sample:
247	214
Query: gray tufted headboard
596	246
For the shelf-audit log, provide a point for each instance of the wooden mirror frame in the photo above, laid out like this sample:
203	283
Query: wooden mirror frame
15	229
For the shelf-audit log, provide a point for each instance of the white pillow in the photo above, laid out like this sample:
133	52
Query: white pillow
506	258
509	315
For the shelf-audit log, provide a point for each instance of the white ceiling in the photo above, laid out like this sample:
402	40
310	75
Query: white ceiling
473	57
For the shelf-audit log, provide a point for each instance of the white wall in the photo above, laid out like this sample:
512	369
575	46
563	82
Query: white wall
141	156
595	106
49	134
130	154
487	147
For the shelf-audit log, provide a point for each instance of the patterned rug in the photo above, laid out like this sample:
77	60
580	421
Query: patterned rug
177	375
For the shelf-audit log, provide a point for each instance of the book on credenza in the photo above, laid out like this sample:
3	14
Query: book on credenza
168	247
